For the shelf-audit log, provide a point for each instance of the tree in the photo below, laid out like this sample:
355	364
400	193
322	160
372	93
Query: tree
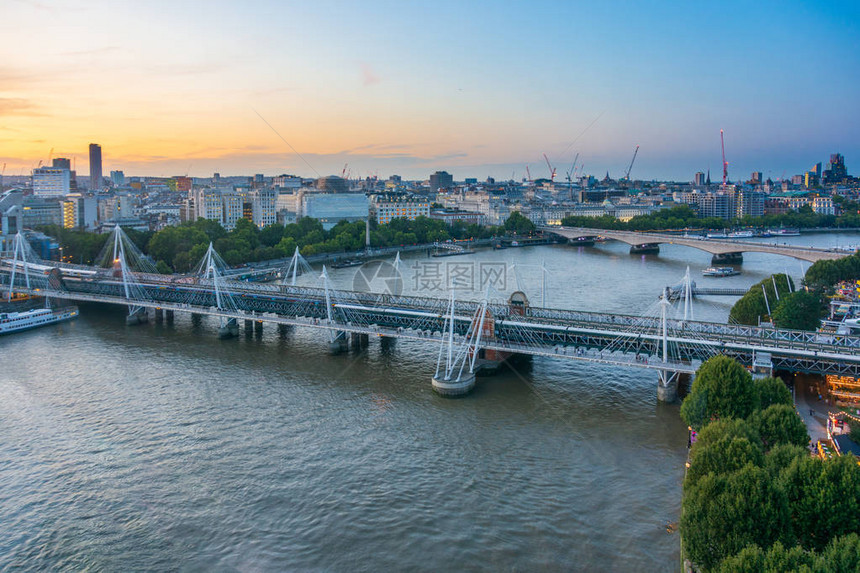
799	310
729	392
723	513
781	456
777	559
842	555
724	456
779	424
822	497
753	306
519	224
772	391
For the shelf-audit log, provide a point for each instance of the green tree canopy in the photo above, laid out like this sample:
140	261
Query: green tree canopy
799	310
752	306
779	424
823	498
519	224
772	391
723	513
722	389
777	559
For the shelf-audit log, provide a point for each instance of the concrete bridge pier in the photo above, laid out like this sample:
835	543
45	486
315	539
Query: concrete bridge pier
283	329
339	344
645	249
139	316
359	340
727	258
454	386
387	343
258	327
168	314
159	315
249	326
667	386
196	319
229	329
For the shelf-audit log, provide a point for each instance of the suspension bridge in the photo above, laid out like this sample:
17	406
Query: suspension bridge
471	335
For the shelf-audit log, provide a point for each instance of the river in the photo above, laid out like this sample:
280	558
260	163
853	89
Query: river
160	447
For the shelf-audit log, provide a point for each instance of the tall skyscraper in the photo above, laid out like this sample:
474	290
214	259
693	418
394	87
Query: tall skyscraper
699	179
95	166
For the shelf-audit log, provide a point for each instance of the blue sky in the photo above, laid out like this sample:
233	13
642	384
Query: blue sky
477	88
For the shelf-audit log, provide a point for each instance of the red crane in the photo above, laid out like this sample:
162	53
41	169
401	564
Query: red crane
725	163
551	169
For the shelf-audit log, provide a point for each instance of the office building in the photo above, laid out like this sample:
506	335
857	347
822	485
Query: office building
40	211
264	211
441	180
95	166
699	179
51	182
117	178
331	208
11	218
61	163
390	207
836	171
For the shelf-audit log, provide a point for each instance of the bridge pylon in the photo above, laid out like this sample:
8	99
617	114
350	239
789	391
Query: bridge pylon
667	383
212	268
453	378
116	256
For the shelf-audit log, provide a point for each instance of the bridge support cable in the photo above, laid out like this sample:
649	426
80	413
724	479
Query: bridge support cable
210	272
19	258
688	296
454	378
298	266
126	262
667	386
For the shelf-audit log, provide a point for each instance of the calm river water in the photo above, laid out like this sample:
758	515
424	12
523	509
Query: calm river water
162	448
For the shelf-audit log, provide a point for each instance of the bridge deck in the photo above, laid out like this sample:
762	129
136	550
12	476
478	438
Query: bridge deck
543	331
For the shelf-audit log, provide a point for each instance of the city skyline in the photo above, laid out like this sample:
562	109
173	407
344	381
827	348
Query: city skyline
173	90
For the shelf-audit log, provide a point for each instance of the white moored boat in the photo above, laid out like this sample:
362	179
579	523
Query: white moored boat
720	272
15	321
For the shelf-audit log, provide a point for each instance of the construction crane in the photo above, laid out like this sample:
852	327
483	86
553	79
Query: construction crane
627	176
725	163
572	173
528	175
343	173
551	169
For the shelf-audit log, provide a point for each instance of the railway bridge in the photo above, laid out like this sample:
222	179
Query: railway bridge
470	334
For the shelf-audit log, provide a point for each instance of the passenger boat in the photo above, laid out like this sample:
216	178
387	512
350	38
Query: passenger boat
785	232
741	235
720	272
15	321
347	263
717	236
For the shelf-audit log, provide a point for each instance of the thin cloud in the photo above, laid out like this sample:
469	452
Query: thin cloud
17	107
368	76
93	52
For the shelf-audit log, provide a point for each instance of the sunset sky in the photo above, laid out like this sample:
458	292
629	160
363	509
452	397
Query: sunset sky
474	88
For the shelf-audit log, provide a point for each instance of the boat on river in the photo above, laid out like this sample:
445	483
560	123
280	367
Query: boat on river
785	232
347	263
720	272
15	321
